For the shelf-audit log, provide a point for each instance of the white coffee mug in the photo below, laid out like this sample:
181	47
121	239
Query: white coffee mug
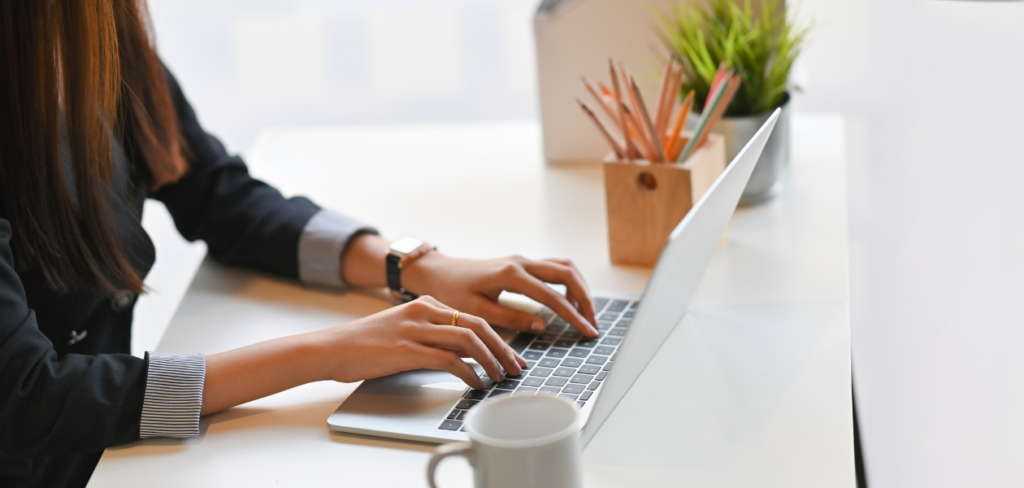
518	442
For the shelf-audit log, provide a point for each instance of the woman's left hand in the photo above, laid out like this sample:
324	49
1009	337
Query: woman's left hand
473	286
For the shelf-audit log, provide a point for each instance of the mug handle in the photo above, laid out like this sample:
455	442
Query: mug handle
443	451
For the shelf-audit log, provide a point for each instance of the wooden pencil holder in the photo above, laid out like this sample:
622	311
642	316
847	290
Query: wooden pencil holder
647	200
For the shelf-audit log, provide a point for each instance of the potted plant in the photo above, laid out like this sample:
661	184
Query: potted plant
760	44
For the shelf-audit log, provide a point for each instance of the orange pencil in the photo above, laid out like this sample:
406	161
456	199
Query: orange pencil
636	132
609	110
670	103
674	144
604	130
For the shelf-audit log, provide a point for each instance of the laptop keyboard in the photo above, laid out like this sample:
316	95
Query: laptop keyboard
558	362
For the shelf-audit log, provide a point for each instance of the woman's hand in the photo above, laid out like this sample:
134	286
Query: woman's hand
474	285
416	335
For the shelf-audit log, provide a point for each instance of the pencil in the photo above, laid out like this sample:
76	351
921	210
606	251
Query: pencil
644	149
609	110
621	119
733	84
604	130
670	104
675	147
660	117
638	101
702	124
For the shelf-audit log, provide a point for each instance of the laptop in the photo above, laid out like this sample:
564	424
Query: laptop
429	406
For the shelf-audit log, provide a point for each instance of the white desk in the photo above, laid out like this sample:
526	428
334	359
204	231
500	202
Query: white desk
759	370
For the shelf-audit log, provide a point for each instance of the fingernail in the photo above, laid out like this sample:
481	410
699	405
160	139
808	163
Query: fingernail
537	328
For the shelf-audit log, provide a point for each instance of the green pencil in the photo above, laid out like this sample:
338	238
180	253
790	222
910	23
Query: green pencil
716	97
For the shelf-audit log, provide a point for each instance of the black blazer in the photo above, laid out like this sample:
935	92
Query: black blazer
62	404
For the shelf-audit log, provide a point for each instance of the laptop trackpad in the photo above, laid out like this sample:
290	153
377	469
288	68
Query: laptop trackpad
413	401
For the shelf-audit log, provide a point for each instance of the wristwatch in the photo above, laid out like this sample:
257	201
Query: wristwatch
402	252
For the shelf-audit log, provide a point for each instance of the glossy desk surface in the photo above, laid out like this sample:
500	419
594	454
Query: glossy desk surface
751	388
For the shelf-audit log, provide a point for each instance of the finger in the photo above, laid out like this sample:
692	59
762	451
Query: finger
435	312
460	339
553	271
509	359
526	284
507	317
437	359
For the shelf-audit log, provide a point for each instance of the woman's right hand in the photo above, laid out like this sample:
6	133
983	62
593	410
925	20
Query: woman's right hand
416	335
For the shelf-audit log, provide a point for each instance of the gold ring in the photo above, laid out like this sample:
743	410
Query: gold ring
455	318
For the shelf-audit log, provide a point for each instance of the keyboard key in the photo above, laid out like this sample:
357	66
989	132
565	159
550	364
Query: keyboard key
498	393
548	336
613	357
454	413
532	381
530	365
594	385
624	323
549	363
549	390
572	362
488	382
462	415
559	321
612	341
581	404
564	343
586	395
603	350
450	425
633	305
609	317
582	379
590	369
571	398
520	342
466	404
566	372
532	355
546	315
587	343
523	390
556	381
556	353
540	372
579	353
540	346
617	332
605	324
574	389
557	328
617	306
599	304
507	385
606	367
571	335
476	394
600	376
595	359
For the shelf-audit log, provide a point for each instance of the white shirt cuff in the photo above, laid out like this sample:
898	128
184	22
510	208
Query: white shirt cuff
323	239
174	395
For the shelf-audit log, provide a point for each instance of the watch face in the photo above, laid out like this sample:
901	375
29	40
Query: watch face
406	245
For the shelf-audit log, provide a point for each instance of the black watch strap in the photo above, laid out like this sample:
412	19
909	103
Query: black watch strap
394	276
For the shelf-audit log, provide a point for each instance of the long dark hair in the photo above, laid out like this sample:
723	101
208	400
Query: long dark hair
89	66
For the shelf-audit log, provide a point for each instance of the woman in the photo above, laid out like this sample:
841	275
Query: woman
91	125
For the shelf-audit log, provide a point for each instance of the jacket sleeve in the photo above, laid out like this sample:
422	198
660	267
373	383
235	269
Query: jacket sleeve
48	407
243	220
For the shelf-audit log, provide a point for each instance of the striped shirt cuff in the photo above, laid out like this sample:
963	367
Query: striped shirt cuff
323	240
174	395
